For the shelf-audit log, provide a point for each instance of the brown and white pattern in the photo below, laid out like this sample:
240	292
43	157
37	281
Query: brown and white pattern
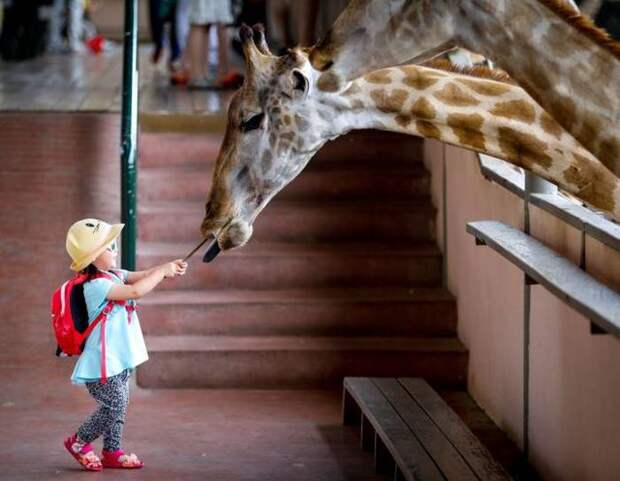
570	67
280	118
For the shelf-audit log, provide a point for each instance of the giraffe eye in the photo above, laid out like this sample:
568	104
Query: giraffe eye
252	123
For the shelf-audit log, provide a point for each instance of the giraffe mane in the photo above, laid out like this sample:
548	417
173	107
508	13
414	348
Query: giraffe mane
477	71
584	24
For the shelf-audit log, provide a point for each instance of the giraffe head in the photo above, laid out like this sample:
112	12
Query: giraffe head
267	140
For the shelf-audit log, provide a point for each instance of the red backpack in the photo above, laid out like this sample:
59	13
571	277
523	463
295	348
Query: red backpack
70	317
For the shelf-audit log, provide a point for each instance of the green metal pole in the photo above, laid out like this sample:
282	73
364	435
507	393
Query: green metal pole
129	135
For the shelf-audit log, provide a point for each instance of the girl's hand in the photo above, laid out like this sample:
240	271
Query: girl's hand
174	268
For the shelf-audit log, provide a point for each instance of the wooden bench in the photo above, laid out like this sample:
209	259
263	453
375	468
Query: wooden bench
415	436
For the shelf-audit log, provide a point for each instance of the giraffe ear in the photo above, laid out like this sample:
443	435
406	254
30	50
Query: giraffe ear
298	84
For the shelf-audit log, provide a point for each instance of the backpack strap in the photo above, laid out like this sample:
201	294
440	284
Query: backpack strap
101	318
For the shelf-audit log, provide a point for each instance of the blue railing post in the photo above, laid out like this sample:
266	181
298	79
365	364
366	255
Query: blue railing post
129	135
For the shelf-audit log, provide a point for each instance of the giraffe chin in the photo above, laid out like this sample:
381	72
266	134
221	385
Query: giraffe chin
235	235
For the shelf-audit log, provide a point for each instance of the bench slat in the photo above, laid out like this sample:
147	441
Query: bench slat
445	455
470	448
560	276
410	456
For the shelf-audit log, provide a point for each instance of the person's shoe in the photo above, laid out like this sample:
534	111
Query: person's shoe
156	55
200	83
84	455
179	77
233	80
118	459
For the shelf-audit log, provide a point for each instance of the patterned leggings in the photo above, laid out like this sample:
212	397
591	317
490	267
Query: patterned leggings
109	417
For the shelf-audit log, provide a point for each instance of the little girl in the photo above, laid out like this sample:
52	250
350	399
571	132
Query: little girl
104	367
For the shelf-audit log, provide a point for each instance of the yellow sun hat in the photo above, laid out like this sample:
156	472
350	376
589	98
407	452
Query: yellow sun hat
87	239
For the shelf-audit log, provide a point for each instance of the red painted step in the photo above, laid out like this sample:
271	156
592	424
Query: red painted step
283	265
300	221
297	361
419	312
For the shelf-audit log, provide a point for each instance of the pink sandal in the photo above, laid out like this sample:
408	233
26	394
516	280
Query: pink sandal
85	456
112	459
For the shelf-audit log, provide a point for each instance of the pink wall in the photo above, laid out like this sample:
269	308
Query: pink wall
574	376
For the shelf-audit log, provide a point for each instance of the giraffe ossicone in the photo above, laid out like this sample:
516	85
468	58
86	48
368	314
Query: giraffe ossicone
280	118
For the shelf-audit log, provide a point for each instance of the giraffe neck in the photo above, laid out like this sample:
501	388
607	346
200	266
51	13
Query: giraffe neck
485	116
573	77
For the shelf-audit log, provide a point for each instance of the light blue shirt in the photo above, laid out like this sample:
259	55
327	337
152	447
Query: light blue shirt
124	343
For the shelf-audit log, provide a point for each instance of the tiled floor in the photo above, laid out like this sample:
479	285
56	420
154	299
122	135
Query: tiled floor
88	82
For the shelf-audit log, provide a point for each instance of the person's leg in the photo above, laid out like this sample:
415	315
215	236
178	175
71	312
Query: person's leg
55	25
74	32
308	13
223	65
204	54
195	53
112	438
175	50
112	403
157	29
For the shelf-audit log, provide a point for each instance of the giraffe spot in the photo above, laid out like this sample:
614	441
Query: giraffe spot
453	95
287	119
427	129
423	109
273	139
467	129
593	183
283	148
554	39
352	90
539	75
328	82
609	153
516	110
266	161
564	109
389	103
417	78
590	128
403	120
288	136
357	104
484	87
550	126
523	149
302	124
379	77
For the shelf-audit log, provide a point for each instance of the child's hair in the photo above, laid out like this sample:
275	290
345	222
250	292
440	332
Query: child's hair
90	270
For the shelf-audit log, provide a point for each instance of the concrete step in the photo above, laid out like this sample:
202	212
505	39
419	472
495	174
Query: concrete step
328	182
296	361
263	265
419	312
374	146
300	221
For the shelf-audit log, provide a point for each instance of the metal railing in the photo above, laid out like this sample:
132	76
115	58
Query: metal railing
129	135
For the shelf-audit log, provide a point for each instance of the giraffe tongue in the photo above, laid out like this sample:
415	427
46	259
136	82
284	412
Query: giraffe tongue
213	250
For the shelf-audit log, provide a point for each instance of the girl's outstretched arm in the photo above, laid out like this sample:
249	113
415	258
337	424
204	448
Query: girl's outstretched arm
135	276
148	282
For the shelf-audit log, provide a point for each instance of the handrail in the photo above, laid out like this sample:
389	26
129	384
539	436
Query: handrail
129	135
557	274
580	217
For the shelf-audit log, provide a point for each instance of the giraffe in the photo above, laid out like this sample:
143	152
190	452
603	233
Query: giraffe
569	66
279	119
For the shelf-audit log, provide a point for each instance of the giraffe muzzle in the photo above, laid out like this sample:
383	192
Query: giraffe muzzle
235	234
